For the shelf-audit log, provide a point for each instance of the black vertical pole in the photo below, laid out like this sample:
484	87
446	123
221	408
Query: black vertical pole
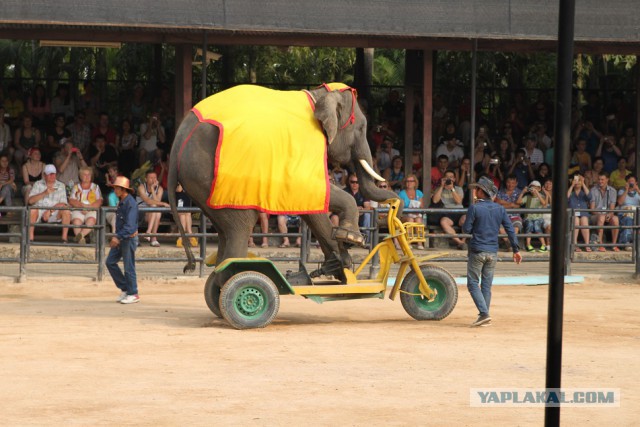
559	207
474	79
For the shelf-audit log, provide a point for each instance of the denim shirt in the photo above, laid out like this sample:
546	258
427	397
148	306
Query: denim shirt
126	218
483	222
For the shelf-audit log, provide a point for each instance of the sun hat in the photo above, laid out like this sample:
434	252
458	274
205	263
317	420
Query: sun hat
123	182
49	169
535	183
486	184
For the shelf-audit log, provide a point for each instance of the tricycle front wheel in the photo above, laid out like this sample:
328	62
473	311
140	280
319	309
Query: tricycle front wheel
417	305
249	300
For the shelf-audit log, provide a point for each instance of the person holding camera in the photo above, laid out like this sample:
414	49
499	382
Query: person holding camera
521	169
450	196
68	161
609	152
603	196
532	197
618	177
152	138
629	201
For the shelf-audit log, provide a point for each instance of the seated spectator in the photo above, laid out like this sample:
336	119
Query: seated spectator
450	196
263	218
483	139
49	193
508	197
395	174
533	154
62	103
112	173
452	150
55	138
610	153
362	203
506	153
493	170
68	161
13	105
578	196
25	137
543	172
7	181
152	137
150	195
618	177
437	172
603	196
416	159
284	222
591	176
481	157
522	170
629	201
85	194
105	130
80	133
544	141
183	201
547	188
385	154
382	216
126	145
412	199
5	136
31	171
580	158
90	103
102	156
39	106
628	146
532	197
112	201
340	175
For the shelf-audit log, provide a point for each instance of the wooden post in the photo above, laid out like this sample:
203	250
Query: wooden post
427	129
184	83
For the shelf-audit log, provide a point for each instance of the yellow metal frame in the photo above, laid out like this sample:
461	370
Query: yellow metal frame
405	234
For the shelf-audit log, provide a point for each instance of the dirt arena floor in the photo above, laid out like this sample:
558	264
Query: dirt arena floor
70	355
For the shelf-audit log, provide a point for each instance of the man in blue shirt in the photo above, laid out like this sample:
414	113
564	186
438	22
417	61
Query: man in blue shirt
484	218
124	243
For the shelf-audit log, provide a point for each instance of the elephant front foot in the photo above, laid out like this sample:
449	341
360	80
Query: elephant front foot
347	235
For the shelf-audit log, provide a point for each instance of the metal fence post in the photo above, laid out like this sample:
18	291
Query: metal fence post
100	244
203	241
24	225
304	242
569	239
635	233
374	268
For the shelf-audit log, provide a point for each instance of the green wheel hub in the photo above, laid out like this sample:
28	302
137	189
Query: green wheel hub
441	296
250	302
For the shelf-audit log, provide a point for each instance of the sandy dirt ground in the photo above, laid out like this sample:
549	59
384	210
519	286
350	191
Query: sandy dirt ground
70	355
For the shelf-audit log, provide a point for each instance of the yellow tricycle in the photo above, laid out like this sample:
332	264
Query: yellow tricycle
250	297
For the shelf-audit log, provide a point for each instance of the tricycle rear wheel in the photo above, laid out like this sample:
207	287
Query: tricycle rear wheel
249	300
417	305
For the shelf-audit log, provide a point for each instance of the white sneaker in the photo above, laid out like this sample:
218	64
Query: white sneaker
122	296
130	299
155	243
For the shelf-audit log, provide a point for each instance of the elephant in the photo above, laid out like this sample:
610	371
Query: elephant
193	164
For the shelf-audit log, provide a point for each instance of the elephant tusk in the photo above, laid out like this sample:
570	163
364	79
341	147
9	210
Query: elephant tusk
370	170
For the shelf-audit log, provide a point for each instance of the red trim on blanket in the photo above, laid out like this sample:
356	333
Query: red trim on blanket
259	209
217	156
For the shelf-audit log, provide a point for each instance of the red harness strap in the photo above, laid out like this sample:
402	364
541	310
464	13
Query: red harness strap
354	94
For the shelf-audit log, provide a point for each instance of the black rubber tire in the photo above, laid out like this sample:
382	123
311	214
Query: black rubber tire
249	300
417	306
212	295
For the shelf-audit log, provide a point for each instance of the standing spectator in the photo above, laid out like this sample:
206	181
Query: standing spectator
126	145
484	220
85	194
183	201
62	103
591	176
136	110
629	201
5	136
39	106
124	243
263	219
578	195
101	157
284	222
395	174
7	181
452	150
412	198
150	195
80	133
437	172
32	171
89	102
152	138
618	177
68	161
165	107
508	198
544	142
450	195
14	106
105	130
603	196
49	193
521	169
393	112
547	189
533	155
25	137
533	198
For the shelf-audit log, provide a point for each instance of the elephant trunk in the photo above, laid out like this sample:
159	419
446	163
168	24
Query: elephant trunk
369	189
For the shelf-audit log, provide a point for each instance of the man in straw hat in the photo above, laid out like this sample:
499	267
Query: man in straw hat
484	218
124	243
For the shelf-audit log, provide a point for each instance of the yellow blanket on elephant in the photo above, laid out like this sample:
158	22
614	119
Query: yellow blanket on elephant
271	153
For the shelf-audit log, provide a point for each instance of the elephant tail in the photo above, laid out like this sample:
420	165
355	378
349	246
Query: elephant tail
172	184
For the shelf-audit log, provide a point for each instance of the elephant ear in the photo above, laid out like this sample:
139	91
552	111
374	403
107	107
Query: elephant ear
328	112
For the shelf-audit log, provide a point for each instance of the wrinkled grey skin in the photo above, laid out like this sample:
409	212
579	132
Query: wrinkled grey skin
346	147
